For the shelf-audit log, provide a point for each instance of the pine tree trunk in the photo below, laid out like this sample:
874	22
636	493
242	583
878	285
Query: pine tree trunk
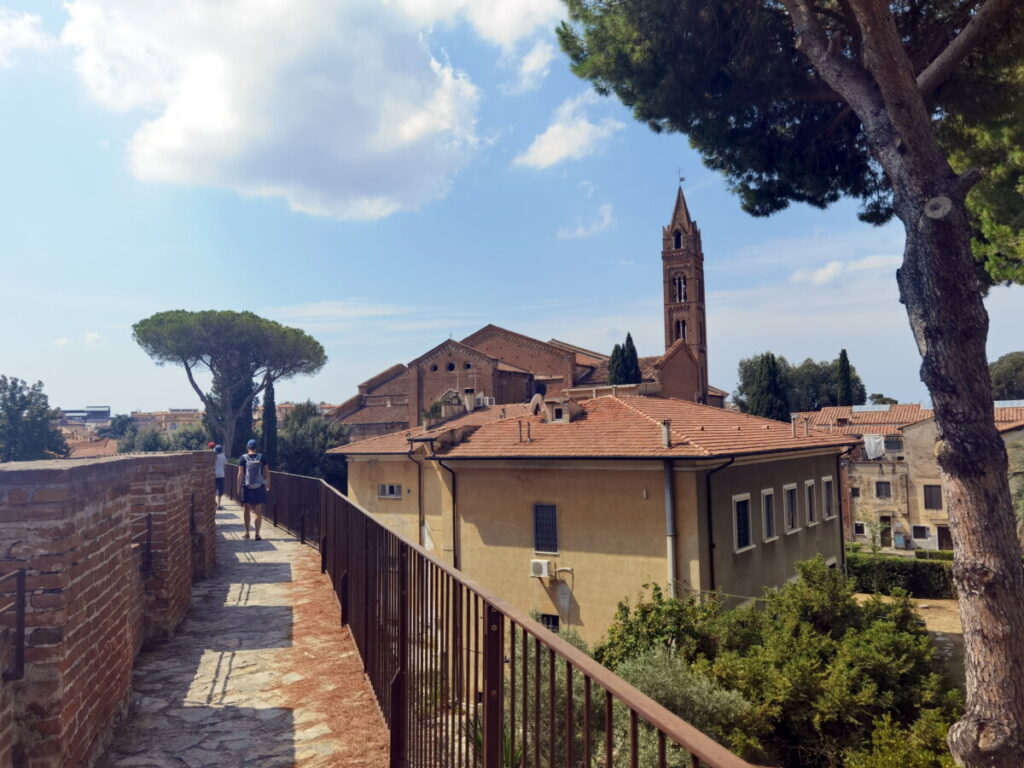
950	324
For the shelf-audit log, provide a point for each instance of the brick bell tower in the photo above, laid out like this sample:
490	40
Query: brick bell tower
682	264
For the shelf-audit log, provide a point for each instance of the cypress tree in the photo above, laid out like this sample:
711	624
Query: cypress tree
270	426
630	363
768	394
615	366
844	380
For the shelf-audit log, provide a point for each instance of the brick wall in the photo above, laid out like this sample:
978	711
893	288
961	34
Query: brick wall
79	529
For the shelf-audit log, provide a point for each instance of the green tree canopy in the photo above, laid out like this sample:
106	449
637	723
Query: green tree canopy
242	352
270	425
304	437
623	364
767	396
27	432
119	425
810	386
877	398
1008	377
844	380
615	365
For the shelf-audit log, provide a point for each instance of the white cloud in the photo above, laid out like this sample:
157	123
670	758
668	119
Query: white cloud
833	270
500	22
92	338
20	32
61	342
534	67
338	107
571	135
582	230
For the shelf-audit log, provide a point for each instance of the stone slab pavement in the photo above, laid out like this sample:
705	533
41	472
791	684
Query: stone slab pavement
260	674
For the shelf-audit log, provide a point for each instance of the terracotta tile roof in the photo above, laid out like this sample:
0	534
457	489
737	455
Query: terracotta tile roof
87	449
398	442
379	414
399	385
380	378
584	356
1010	426
600	373
630	427
518	337
888	421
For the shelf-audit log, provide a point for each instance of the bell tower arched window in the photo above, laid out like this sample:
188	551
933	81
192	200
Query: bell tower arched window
680	330
678	289
677	239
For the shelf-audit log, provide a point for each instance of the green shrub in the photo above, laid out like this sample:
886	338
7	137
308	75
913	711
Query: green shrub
933	554
922	745
930	579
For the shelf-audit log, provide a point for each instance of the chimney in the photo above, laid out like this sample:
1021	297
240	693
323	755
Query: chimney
792	420
520	431
666	433
528	438
807	428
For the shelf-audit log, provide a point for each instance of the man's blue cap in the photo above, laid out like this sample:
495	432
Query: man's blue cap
251	444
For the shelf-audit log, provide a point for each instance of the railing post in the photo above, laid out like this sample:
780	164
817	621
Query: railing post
494	657
17	671
400	682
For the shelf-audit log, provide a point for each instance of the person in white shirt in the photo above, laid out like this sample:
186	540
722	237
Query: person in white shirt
218	472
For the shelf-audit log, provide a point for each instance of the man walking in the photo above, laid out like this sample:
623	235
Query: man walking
253	485
219	462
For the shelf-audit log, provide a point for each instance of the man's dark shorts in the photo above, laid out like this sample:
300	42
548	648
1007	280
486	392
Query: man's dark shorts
220	485
254	495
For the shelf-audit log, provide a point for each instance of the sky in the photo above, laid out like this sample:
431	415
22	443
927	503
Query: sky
384	174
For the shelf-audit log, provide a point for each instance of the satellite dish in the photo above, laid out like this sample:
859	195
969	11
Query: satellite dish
536	403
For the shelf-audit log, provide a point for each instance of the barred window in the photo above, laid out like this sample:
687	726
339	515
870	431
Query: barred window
741	521
389	491
933	497
545	528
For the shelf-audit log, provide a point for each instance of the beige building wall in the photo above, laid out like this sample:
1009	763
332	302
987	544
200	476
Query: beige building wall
771	562
610	528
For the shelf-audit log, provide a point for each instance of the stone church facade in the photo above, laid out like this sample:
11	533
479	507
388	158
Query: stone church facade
495	366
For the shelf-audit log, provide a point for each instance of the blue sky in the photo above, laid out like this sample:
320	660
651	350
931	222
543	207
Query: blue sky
383	174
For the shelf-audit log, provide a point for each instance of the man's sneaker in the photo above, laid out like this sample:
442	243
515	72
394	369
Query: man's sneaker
258	537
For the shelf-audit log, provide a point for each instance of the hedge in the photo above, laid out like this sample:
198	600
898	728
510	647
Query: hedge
931	579
933	554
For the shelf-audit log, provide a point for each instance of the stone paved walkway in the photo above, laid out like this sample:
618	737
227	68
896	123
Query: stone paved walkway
259	675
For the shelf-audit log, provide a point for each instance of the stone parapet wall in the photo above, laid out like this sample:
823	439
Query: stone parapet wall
93	595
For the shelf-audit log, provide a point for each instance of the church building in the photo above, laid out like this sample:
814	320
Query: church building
495	366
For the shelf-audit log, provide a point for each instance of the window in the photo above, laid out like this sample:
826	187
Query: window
789	507
550	621
433	367
678	289
768	514
860	529
855	493
741	522
894	444
680	330
467	366
828	509
389	491
933	497
812	511
451	366
883	489
174	426
558	414
545	528
677	239
921	532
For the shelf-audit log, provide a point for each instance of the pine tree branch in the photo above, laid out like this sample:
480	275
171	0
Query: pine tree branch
970	37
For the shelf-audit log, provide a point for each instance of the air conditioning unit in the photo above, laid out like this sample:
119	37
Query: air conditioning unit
489	401
540	569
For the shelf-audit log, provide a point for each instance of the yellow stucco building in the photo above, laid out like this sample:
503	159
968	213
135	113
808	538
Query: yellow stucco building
568	507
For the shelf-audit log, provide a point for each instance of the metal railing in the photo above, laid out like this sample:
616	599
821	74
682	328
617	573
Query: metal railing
464	679
15	605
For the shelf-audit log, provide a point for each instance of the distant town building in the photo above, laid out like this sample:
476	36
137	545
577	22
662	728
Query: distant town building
499	366
891	481
93	414
170	420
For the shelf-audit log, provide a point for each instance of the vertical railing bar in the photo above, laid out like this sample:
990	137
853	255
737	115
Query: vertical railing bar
526	694
568	714
536	702
494	659
608	729
661	749
586	721
512	688
551	708
634	747
446	711
477	757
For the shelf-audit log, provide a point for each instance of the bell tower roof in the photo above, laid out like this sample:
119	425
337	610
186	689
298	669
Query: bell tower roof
681	215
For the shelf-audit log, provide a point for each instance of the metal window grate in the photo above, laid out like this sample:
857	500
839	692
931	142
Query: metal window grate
545	528
742	523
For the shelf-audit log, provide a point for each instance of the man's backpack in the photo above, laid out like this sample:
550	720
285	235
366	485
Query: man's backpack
253	470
